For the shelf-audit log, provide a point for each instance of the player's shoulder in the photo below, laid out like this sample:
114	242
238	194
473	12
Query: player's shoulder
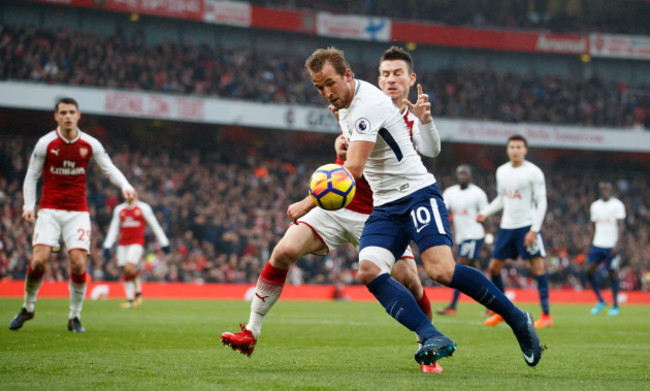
90	140
532	166
451	189
370	94
504	167
48	137
474	188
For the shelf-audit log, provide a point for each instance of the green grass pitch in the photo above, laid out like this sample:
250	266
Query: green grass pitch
311	346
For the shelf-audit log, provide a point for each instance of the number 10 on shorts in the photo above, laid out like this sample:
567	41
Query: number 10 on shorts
421	217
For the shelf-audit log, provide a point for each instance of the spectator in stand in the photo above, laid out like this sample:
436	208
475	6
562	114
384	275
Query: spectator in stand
129	62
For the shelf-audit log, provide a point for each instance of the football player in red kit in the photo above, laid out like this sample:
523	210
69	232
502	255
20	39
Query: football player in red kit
62	157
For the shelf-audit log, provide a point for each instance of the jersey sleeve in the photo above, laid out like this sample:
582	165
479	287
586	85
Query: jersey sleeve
445	198
592	215
34	170
108	168
539	195
369	117
426	139
620	213
113	229
151	220
482	199
497	203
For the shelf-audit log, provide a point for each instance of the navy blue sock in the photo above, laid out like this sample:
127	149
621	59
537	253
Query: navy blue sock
454	299
542	288
498	281
475	285
614	282
593	280
401	305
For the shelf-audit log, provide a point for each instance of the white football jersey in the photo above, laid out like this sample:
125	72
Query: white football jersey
605	215
393	170
521	193
464	205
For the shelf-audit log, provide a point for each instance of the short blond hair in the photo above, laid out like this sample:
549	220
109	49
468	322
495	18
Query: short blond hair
334	56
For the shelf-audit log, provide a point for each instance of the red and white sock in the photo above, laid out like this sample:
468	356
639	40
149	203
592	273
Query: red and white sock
268	290
33	282
129	286
425	304
77	288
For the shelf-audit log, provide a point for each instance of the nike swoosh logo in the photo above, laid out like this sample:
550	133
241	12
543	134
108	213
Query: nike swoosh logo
421	228
530	359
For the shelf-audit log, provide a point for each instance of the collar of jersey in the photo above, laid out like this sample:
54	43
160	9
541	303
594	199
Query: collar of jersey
65	140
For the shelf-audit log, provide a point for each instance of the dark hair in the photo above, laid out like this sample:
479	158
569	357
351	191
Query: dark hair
397	53
518	137
65	100
334	56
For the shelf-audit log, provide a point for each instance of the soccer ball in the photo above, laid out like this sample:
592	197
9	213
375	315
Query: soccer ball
332	187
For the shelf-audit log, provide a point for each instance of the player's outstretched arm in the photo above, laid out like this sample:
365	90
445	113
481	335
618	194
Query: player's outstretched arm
150	218
300	208
111	171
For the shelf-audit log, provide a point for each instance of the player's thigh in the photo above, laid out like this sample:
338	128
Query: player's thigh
470	248
131	253
333	228
596	255
505	247
428	221
536	250
47	229
386	231
76	230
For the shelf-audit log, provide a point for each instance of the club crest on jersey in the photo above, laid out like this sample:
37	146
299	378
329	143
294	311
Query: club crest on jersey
362	125
83	152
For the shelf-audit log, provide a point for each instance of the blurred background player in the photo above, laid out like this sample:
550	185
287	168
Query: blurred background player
521	193
129	222
464	200
62	157
316	231
607	223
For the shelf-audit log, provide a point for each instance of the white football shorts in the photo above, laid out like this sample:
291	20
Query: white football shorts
337	227
53	224
131	253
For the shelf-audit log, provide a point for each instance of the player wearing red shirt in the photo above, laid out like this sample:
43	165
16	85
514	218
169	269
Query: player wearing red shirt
316	230
130	220
62	157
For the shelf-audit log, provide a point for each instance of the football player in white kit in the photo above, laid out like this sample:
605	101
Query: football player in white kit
464	200
407	207
62	157
521	193
317	230
129	222
607	223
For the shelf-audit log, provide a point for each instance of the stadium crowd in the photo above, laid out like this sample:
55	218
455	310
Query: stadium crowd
127	61
222	203
627	17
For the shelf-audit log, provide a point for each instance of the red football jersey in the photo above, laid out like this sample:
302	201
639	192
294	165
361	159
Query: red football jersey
64	174
362	201
129	223
64	164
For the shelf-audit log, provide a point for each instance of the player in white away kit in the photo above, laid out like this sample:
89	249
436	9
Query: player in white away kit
521	193
607	217
464	200
316	231
407	207
130	220
62	157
